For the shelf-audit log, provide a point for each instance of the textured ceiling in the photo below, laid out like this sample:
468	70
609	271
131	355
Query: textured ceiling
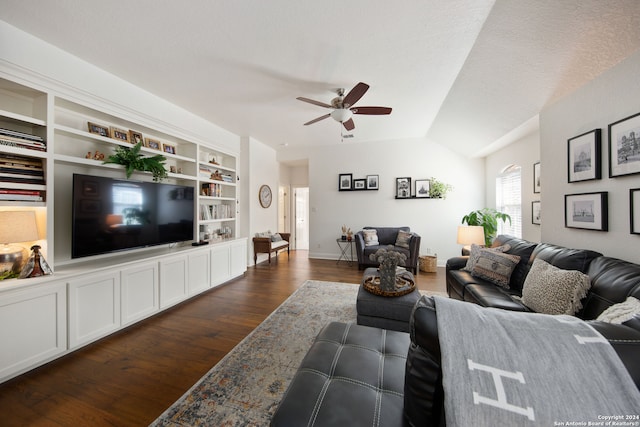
465	73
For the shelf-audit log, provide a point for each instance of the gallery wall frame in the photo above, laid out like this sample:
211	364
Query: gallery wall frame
624	146
584	157
422	188
360	184
536	178
345	181
587	211
403	188
373	182
634	210
536	212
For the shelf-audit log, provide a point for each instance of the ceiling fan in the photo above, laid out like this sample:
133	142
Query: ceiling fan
343	108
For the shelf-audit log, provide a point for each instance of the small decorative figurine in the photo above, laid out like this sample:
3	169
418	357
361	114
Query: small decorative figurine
36	265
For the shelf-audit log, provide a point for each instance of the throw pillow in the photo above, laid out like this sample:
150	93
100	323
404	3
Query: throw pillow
621	312
551	290
475	254
495	267
403	239
276	237
370	237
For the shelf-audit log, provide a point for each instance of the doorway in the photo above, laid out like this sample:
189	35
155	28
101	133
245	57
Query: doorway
301	217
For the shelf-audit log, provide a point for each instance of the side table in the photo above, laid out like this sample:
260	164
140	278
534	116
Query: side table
346	251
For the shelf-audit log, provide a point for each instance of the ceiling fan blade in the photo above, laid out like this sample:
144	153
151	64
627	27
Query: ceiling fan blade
311	101
371	110
349	125
326	116
355	94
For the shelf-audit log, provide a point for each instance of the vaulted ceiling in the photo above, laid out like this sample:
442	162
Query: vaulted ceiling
469	74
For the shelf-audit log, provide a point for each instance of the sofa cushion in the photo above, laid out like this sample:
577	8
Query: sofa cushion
370	237
612	281
475	254
495	266
522	248
565	258
493	296
551	290
403	239
621	312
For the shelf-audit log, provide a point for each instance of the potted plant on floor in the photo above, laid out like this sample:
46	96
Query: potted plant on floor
487	218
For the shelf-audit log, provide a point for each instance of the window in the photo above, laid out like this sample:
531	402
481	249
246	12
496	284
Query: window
509	200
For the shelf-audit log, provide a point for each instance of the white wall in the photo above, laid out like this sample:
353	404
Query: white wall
523	152
608	98
435	220
261	168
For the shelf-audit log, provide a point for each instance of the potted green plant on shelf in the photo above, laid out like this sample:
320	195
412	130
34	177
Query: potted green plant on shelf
487	218
132	160
438	189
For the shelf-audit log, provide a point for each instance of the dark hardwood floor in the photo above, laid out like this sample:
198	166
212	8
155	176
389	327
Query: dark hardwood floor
131	377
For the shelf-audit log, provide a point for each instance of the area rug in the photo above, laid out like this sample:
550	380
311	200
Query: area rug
245	387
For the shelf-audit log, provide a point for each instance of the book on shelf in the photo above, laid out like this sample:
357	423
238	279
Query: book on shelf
20	135
12	194
21	179
17	160
9	142
21	171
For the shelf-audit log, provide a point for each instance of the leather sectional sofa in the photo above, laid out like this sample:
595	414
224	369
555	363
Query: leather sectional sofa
387	236
337	384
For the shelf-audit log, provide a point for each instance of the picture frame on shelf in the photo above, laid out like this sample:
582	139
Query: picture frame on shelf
152	143
99	129
536	178
135	137
536	213
373	182
587	211
403	188
345	181
624	146
423	188
360	184
119	134
583	157
634	210
169	149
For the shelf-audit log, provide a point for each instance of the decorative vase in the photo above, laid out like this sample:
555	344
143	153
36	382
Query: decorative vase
388	275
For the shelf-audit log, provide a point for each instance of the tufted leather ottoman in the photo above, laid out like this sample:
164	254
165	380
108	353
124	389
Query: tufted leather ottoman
353	375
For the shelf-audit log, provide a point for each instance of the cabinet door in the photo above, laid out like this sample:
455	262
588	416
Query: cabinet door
94	307
34	327
238	258
173	280
139	292
220	264
199	272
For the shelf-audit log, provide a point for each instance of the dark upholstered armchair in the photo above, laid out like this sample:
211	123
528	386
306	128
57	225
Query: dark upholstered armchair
387	236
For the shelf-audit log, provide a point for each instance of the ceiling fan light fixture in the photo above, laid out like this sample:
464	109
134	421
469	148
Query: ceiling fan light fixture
341	114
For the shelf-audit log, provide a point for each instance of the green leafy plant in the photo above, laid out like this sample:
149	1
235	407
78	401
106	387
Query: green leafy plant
438	189
132	160
488	219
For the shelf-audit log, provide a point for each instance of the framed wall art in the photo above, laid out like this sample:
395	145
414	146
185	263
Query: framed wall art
536	177
587	211
344	181
583	157
634	208
422	187
360	184
372	182
536	214
624	146
403	188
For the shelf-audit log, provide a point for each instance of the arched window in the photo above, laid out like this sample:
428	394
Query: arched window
509	200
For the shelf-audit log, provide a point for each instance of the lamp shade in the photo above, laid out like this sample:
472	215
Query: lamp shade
470	234
18	226
341	114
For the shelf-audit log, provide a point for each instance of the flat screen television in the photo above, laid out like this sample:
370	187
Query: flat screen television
112	215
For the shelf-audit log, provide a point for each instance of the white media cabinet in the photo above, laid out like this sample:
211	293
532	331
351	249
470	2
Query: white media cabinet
89	298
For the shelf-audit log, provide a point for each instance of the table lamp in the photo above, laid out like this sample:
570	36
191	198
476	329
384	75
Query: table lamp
15	227
470	234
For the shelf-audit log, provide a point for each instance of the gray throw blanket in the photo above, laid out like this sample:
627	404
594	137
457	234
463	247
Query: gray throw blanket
503	368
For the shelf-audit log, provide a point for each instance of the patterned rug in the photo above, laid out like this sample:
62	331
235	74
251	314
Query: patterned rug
245	387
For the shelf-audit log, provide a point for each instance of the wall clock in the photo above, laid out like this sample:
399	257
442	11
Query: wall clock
265	196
